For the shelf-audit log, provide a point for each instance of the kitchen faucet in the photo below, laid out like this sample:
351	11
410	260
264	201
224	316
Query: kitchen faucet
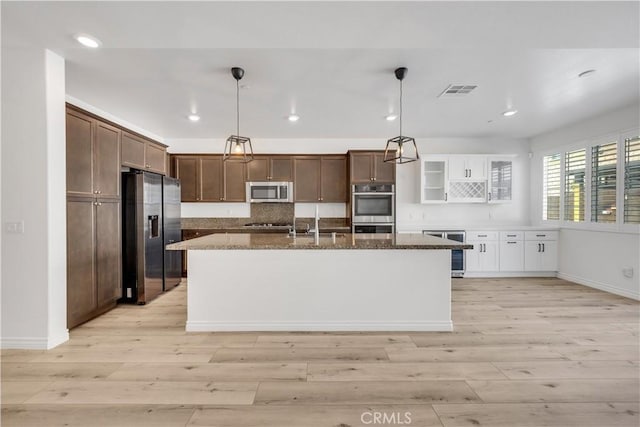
292	231
316	228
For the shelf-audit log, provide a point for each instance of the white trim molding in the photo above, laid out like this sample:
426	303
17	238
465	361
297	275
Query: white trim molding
601	286
33	343
293	326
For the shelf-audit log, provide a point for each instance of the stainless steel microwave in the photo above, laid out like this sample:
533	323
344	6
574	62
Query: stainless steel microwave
270	192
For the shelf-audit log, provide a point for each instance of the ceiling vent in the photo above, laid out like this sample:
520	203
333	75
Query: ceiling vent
456	91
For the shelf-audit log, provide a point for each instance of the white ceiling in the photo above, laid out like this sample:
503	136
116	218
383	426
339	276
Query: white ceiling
332	63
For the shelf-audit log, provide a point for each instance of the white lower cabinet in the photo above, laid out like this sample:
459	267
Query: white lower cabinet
483	256
512	255
541	255
512	252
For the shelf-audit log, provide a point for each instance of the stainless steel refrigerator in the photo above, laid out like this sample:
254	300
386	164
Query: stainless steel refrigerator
145	214
172	231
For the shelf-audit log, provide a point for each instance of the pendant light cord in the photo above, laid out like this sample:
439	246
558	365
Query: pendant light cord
400	107
237	108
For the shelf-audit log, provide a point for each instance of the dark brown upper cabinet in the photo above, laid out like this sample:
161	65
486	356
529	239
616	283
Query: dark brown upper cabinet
320	179
270	168
207	178
333	179
143	154
93	157
369	166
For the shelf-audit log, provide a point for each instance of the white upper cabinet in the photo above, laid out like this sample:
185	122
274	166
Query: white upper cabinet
434	182
468	168
500	180
471	178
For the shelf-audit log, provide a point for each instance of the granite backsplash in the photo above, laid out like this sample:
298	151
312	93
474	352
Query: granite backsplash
266	213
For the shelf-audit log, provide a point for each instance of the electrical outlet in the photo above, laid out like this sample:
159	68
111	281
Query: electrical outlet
16	227
627	272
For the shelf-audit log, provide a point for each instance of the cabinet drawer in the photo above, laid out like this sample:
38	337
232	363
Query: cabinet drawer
511	235
481	235
541	235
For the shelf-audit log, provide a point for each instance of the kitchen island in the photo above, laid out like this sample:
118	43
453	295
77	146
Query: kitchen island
350	282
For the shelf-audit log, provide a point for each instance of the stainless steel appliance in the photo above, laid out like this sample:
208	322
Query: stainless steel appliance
373	208
273	192
143	235
373	228
457	255
172	231
373	203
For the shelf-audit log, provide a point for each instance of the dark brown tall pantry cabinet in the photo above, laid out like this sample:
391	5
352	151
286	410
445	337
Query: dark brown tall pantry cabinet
93	217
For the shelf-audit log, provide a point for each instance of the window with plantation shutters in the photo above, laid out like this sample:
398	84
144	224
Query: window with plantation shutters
551	187
632	180
603	182
574	181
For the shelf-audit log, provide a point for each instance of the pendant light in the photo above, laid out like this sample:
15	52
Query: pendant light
401	149
238	148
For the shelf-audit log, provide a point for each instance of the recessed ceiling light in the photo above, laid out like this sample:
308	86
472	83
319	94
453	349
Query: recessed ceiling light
88	41
391	117
193	117
294	118
587	73
510	113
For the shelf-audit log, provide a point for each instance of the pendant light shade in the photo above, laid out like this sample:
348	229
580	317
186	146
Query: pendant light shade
401	149
238	148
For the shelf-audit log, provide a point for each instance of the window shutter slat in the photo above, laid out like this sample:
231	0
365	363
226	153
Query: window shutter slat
551	187
632	180
574	191
604	159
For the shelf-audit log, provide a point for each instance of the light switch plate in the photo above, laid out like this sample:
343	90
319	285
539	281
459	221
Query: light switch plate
14	227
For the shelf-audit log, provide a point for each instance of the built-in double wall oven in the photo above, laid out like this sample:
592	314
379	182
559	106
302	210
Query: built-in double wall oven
373	208
457	255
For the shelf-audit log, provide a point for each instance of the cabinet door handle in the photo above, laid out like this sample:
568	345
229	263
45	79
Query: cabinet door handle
489	196
511	243
482	235
543	247
445	197
541	235
539	247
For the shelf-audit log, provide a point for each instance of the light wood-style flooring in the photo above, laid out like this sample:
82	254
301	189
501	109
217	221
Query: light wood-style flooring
525	352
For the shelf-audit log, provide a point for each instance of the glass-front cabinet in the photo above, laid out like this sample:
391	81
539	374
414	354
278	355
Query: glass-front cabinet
500	181
434	180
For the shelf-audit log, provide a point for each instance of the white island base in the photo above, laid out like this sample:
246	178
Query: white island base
319	290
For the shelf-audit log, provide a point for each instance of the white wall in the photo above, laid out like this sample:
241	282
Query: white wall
590	253
33	191
411	214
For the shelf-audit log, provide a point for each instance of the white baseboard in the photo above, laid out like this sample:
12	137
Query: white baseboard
489	274
208	326
599	285
33	343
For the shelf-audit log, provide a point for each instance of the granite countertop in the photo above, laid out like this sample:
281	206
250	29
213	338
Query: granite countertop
342	241
418	228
